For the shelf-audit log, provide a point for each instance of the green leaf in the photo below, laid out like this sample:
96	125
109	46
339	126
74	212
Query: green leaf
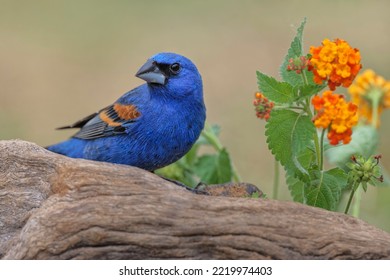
255	195
302	92
296	47
210	168
296	187
178	171
364	142
324	189
296	50
288	133
280	92
340	175
296	184
214	169
191	157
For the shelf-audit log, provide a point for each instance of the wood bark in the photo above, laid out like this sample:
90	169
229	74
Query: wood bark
54	207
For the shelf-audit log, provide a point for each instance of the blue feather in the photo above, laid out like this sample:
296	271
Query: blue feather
159	122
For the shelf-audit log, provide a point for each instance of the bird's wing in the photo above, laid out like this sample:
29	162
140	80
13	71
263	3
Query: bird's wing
109	121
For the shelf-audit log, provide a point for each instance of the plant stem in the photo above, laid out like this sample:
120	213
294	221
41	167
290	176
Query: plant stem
349	201
236	176
322	149
304	77
356	203
375	100
288	107
354	188
217	145
375	96
319	149
275	190
212	138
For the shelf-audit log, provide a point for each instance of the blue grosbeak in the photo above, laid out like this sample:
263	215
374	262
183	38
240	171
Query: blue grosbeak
150	126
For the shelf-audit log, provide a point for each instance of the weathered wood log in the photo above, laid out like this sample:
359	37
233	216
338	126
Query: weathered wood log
54	207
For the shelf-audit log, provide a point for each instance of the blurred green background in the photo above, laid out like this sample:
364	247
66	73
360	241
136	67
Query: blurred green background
62	60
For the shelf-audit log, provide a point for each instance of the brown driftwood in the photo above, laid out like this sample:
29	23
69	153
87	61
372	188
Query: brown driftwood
54	207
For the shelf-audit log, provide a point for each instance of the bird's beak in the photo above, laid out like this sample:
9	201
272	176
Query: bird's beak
151	73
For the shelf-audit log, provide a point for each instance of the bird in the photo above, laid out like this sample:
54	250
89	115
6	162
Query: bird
150	126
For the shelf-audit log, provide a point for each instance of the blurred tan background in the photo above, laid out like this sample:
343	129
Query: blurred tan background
62	60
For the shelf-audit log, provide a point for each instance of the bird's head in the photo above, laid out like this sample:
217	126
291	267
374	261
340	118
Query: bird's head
171	73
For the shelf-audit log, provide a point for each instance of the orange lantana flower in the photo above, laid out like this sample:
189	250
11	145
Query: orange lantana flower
335	62
334	113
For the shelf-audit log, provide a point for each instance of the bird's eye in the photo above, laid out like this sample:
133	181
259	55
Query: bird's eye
175	68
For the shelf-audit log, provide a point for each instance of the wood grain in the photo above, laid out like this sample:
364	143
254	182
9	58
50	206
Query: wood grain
54	207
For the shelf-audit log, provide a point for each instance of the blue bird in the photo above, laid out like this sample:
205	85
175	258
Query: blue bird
150	126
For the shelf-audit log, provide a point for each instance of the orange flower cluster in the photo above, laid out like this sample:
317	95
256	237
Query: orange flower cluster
263	106
335	62
369	90
335	113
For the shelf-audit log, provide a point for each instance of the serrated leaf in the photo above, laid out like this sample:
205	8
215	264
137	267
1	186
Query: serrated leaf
296	184
288	133
296	188
214	169
296	47
280	92
295	50
324	190
364	142
304	91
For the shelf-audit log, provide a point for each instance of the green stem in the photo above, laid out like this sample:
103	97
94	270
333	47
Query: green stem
375	96
322	149
356	203
217	145
275	190
304	77
278	107
319	149
236	176
212	138
350	200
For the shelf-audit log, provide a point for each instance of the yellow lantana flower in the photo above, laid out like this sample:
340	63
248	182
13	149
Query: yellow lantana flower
370	91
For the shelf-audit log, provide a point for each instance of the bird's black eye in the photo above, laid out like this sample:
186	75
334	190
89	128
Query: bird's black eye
175	68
